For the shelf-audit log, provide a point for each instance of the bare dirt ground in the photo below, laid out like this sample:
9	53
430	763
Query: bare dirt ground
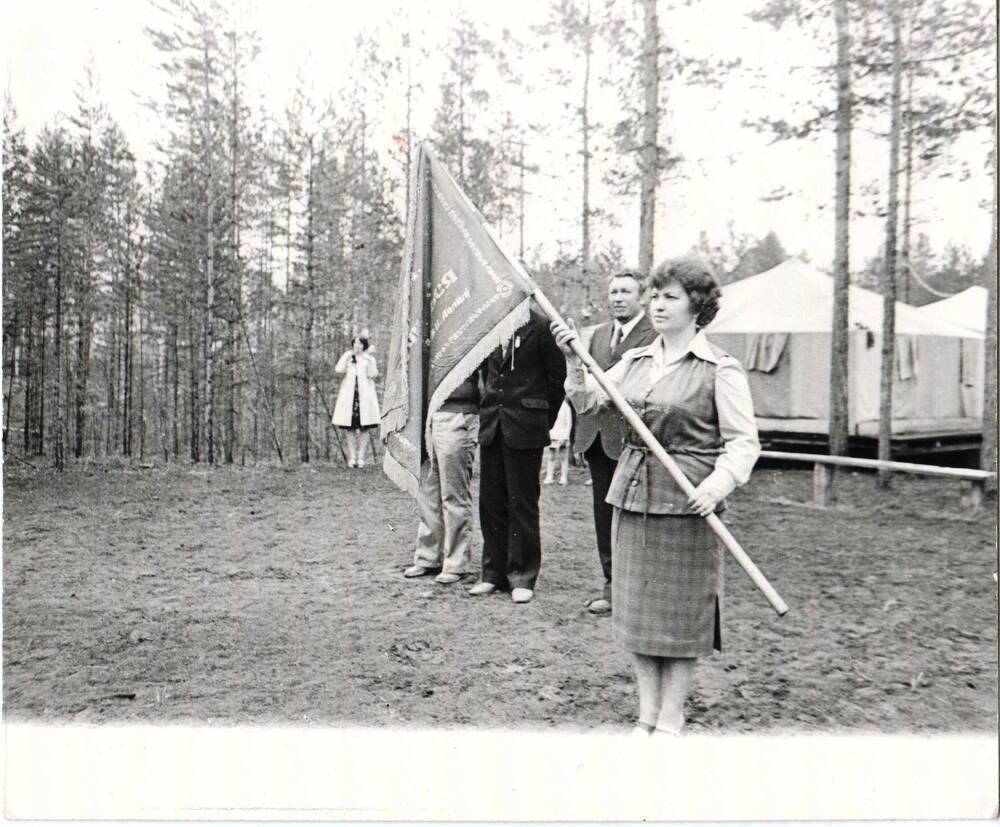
265	595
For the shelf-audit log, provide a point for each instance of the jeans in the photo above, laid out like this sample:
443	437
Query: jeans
445	496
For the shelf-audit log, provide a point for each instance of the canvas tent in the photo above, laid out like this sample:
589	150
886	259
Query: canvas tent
778	324
966	309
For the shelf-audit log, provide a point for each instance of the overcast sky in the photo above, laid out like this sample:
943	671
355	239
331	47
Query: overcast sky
729	168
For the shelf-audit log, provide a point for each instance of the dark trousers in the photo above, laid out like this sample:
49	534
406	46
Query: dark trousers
508	513
602	469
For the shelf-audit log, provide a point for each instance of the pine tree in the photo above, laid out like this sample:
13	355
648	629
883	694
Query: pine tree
18	310
464	97
643	136
51	194
814	17
573	23
890	274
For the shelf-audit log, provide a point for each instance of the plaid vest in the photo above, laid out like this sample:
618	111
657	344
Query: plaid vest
680	411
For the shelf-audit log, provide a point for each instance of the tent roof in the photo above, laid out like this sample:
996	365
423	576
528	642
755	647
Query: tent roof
795	297
966	309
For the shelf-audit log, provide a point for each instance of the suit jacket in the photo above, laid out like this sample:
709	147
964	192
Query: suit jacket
523	390
607	423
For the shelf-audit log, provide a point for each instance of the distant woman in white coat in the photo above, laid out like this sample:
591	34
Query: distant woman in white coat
357	408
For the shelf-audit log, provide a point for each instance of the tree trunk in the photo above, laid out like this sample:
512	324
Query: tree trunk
310	311
28	375
127	344
208	335
904	253
164	385
841	246
988	454
8	401
175	389
585	136
650	140
57	378
110	371
209	321
39	436
889	276
270	393
520	204
409	118
142	368
82	380
461	124
193	399
237	281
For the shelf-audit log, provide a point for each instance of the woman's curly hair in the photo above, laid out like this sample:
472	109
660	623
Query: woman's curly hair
698	281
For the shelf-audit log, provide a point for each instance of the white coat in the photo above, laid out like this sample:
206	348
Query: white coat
362	374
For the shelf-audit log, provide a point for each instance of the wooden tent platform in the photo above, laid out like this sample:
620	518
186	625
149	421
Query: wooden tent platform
947	447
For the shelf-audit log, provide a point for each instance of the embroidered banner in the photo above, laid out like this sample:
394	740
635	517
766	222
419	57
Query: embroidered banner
459	297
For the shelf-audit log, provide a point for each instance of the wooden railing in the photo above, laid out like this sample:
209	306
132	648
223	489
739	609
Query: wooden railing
823	464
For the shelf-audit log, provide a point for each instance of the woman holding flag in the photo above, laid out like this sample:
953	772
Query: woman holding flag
668	563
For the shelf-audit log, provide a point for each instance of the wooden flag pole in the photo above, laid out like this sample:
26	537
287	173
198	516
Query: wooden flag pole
658	451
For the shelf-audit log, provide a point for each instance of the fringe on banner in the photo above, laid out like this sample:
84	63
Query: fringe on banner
394	419
399	475
466	366
500	333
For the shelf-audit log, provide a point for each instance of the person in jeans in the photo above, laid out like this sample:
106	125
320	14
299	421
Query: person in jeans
445	494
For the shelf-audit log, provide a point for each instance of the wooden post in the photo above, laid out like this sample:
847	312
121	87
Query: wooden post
972	495
822	484
975	481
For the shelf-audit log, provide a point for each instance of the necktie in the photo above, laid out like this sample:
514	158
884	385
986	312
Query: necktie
616	338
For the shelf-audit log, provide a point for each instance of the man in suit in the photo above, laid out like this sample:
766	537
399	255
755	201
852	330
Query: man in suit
599	436
521	395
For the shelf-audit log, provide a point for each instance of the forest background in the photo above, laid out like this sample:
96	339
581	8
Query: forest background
203	201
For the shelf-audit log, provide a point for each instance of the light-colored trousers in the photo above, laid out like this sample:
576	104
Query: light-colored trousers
445	501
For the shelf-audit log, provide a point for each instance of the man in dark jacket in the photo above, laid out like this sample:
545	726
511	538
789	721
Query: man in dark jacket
599	435
522	392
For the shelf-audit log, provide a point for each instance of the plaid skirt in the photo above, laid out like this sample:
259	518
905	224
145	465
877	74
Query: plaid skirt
667	585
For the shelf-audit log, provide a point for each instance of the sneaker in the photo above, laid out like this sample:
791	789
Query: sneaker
418	571
522	595
482	588
446	577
